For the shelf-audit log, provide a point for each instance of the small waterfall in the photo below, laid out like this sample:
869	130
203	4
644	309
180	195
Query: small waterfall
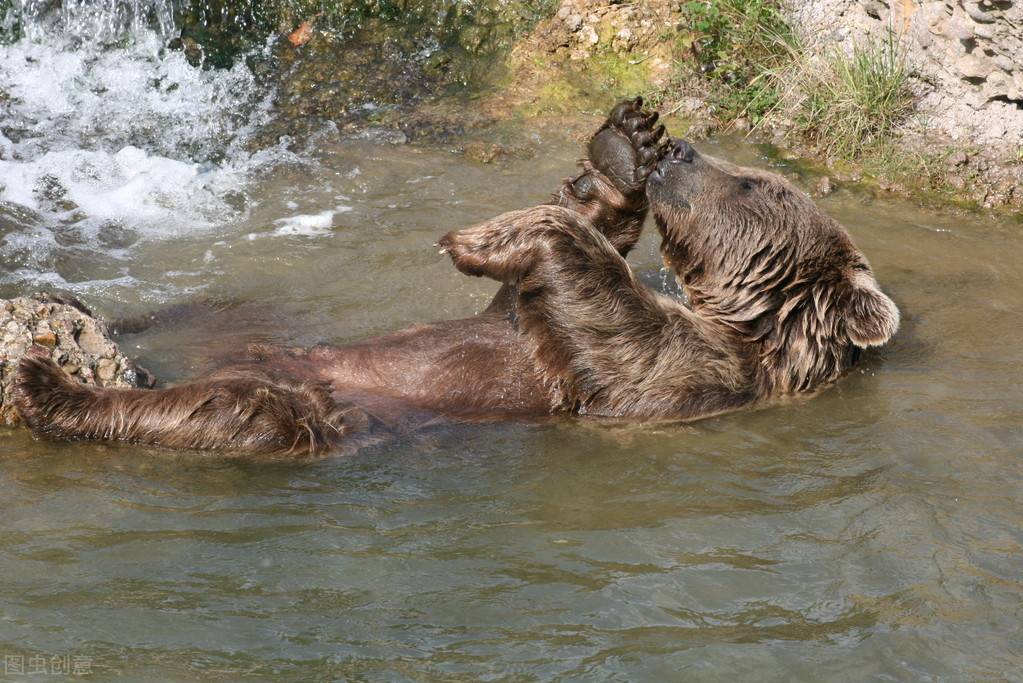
104	129
93	20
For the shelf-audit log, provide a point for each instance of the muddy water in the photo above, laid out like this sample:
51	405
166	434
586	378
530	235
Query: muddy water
871	533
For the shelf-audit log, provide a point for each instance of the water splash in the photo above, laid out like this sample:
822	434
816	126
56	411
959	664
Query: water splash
103	128
92	20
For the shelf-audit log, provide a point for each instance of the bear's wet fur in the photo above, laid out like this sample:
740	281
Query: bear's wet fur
781	302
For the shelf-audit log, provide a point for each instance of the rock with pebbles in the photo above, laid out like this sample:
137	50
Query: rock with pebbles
67	332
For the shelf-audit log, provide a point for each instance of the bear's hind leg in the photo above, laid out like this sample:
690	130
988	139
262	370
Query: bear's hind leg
244	412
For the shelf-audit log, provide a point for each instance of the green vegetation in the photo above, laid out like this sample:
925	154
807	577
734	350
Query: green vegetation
853	104
741	48
845	106
438	18
10	26
592	85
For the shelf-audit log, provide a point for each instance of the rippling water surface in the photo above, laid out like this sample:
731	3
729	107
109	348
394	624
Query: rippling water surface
873	533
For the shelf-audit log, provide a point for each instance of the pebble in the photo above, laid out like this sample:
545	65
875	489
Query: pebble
46	338
484	153
93	342
106	369
959	158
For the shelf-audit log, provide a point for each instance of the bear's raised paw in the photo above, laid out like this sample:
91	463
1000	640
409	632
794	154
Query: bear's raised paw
627	146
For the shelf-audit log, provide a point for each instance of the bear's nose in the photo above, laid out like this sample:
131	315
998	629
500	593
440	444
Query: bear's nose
681	151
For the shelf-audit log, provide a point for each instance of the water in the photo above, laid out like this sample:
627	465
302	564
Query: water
90	21
872	533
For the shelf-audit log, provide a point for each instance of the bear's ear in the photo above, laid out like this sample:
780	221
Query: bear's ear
871	318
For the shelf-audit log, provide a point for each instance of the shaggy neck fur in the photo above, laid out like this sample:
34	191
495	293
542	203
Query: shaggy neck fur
787	313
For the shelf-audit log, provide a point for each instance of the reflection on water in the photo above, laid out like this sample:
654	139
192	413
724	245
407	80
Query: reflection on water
872	532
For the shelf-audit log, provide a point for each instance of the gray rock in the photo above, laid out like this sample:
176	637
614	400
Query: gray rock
959	158
1003	63
106	370
977	14
62	329
973	66
984	31
95	342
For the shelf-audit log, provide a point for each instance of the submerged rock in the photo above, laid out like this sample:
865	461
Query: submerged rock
67	332
824	187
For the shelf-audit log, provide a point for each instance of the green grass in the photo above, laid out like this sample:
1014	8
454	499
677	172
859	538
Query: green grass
742	48
853	104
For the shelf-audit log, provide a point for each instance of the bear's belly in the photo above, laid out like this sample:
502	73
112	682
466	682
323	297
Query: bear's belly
477	367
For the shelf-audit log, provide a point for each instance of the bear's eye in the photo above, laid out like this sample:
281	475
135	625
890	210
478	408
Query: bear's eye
747	185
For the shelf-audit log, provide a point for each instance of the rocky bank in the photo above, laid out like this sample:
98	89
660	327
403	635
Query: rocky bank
967	77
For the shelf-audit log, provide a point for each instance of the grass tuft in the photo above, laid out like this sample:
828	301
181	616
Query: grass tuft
853	104
845	105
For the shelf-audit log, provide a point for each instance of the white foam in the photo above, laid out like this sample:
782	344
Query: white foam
157	195
306	225
132	134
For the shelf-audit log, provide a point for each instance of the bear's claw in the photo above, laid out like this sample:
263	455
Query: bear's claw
464	252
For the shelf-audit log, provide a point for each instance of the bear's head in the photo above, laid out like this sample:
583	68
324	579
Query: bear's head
754	253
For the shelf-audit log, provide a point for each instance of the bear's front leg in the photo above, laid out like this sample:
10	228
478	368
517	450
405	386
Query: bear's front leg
512	247
610	192
506	247
576	304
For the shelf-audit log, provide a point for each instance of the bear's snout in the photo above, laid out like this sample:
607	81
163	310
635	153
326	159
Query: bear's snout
676	154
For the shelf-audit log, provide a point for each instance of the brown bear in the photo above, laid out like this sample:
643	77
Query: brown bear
781	301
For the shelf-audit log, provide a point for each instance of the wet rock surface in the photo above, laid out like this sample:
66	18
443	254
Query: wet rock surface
592	52
582	28
347	83
65	330
349	66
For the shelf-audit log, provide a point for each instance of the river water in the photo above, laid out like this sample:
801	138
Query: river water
872	533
